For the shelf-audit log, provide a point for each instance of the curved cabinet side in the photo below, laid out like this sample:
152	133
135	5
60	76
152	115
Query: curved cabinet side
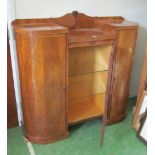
42	69
124	54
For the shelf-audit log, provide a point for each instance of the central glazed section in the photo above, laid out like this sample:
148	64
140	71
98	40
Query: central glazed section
88	75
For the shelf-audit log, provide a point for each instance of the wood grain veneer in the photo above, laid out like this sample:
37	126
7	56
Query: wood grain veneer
42	68
124	55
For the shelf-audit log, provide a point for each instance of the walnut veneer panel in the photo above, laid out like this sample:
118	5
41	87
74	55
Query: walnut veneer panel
42	68
124	55
83	35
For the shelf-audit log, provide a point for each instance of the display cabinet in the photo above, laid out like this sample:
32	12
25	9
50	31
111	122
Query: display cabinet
64	67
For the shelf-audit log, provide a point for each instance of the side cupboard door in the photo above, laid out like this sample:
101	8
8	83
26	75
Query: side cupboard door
124	54
42	62
50	75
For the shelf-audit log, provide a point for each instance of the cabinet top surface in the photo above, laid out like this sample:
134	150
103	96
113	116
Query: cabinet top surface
81	28
40	27
75	20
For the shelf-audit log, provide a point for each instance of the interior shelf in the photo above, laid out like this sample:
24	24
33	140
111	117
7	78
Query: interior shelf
89	59
85	108
87	84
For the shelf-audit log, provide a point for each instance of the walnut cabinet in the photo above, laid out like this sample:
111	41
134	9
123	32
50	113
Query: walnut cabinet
64	66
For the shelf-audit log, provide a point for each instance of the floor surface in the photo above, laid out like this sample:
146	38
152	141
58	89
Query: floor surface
84	139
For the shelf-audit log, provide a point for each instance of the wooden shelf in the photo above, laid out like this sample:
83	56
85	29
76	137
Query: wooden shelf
88	59
87	84
85	108
88	70
62	51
